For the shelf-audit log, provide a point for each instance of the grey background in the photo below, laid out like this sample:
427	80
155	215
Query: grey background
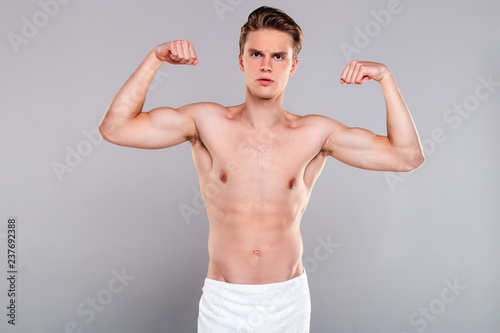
399	239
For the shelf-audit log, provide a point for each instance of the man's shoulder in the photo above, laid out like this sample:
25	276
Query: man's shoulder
316	121
205	111
200	107
210	115
318	126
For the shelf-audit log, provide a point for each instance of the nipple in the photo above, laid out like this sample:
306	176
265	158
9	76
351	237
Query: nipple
223	176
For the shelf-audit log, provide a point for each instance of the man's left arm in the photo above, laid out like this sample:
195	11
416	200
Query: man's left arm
400	150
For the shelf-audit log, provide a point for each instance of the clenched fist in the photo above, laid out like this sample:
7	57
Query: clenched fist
179	52
358	72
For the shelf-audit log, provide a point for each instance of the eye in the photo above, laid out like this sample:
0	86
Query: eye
278	57
255	54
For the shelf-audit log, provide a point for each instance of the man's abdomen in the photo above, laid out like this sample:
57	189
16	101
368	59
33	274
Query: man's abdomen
256	249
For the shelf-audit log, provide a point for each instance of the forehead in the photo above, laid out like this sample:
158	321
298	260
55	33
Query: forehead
269	40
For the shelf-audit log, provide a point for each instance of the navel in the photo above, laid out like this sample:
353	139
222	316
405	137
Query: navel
223	176
256	252
291	183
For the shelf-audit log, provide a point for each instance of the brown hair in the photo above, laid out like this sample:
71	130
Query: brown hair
272	18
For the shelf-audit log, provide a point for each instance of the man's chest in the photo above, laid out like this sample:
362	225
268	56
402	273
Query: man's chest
278	157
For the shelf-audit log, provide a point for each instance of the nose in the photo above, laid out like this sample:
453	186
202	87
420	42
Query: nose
266	66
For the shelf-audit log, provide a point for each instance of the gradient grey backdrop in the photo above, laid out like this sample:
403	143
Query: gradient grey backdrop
88	210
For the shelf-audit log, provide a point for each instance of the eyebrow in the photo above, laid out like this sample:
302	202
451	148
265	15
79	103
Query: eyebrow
280	53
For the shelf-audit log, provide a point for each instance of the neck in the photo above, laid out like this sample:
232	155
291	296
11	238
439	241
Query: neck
263	112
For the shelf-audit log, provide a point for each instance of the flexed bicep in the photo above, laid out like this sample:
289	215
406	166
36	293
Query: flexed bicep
363	149
159	128
400	150
125	123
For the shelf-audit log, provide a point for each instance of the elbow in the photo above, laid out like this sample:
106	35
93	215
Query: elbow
105	132
417	162
102	131
414	161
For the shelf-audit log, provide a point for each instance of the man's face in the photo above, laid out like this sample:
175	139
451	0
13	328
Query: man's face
267	62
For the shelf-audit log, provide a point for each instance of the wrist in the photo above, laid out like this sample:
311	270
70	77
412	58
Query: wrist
153	59
387	78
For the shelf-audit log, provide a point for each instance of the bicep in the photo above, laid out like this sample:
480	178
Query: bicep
159	128
362	148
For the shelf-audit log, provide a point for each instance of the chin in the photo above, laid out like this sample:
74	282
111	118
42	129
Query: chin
265	95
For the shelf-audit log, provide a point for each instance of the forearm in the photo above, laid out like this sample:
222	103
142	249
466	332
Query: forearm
401	130
129	100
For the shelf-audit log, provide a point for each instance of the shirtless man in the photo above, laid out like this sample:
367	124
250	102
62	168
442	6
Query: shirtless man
257	164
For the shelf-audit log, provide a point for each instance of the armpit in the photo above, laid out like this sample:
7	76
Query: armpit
195	139
325	151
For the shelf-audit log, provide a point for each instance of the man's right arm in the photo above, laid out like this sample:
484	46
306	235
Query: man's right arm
124	122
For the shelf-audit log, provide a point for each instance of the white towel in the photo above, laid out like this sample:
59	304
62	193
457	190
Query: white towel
242	308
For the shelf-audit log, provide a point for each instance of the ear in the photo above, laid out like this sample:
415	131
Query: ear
240	61
294	67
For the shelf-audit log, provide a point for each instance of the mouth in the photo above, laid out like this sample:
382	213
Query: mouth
265	81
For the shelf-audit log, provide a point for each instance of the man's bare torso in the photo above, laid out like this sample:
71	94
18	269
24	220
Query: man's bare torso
256	184
257	163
